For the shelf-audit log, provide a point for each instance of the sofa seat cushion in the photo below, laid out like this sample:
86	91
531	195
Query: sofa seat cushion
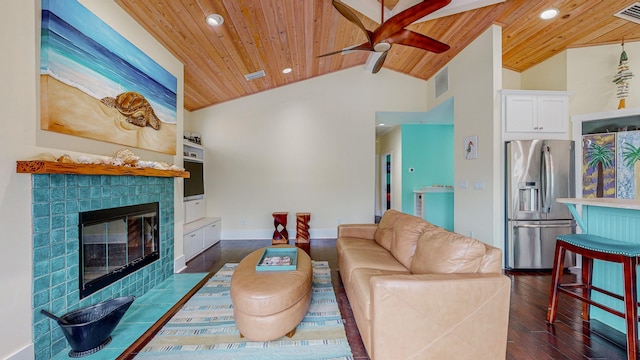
368	258
361	286
440	251
356	243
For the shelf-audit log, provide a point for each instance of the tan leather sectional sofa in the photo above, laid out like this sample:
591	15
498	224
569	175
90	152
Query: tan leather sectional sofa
418	291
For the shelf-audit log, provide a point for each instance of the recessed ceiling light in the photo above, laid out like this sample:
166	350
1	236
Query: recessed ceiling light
549	13
382	124
286	70
215	19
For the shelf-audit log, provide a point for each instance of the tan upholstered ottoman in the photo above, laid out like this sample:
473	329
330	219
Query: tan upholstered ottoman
269	305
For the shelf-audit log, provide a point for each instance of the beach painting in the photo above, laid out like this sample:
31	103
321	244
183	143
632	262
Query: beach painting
96	84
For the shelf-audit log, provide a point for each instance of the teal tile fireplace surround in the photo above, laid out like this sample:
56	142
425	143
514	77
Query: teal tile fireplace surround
56	203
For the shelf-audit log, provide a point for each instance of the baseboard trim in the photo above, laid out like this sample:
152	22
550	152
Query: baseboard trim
179	264
607	332
26	353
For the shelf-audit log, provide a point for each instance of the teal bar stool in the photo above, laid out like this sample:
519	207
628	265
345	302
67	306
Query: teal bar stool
599	248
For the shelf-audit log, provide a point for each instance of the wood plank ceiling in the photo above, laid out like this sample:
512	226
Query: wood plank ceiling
271	35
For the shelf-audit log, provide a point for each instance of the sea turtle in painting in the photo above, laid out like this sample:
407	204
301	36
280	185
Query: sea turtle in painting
135	108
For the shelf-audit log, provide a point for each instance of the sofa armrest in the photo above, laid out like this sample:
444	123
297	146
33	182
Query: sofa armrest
362	231
440	316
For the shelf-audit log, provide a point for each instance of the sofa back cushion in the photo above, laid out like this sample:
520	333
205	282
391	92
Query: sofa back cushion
491	261
440	251
384	233
406	231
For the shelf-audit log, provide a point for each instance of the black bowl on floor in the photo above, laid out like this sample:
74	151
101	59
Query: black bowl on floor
89	329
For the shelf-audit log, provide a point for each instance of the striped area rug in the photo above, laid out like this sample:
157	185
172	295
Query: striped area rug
204	328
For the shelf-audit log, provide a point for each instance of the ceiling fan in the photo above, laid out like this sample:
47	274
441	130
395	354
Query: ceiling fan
393	30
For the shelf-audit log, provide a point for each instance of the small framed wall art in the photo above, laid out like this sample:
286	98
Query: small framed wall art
471	147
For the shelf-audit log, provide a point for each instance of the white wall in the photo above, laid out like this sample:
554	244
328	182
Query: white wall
17	99
511	79
21	139
475	76
590	72
308	146
548	75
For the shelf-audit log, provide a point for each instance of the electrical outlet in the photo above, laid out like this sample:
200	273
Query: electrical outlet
244	222
338	221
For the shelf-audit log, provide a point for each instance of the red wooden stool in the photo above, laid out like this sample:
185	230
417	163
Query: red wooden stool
280	234
599	248
302	227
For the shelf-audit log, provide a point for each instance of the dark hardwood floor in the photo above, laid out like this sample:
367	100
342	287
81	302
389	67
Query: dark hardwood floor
530	337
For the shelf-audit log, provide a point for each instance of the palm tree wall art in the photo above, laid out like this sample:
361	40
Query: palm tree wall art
628	170
599	176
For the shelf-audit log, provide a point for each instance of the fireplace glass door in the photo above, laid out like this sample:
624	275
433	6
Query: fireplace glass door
115	242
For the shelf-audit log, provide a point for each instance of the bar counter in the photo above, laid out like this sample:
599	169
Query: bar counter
617	219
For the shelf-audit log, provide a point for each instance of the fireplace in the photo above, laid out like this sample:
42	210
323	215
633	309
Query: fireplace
115	242
57	201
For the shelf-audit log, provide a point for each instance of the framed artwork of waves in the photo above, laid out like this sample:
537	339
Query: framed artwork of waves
95	84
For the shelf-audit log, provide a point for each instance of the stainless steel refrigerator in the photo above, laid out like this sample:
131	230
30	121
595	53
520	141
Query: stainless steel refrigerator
537	172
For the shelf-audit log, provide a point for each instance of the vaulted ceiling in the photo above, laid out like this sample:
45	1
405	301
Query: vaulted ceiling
271	35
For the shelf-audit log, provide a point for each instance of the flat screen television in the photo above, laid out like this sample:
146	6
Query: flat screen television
194	185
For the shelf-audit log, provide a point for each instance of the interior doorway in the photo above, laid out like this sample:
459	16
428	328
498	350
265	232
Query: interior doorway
383	184
387	177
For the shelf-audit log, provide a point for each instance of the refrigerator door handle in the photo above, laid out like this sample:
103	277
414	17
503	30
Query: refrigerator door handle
541	226
546	179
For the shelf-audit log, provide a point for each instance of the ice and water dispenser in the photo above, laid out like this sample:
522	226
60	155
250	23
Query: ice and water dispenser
528	195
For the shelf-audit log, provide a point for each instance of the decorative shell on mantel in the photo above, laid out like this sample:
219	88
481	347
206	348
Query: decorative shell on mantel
123	157
127	157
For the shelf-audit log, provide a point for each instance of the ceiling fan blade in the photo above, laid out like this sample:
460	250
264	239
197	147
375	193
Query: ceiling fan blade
363	46
406	17
347	13
332	53
411	38
379	63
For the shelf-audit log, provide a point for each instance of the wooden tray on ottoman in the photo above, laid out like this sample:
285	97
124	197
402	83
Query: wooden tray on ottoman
278	259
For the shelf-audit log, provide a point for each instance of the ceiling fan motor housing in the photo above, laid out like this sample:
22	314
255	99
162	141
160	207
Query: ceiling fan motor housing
382	46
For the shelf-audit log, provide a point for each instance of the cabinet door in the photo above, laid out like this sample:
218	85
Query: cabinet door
194	210
211	234
193	243
520	113
552	113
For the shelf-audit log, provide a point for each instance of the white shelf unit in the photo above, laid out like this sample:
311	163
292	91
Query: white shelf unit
419	202
194	208
199	232
192	151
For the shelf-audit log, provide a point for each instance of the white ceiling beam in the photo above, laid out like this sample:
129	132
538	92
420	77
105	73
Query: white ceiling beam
371	8
459	6
368	8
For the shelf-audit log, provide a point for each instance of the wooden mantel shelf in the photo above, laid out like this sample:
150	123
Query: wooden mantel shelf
52	167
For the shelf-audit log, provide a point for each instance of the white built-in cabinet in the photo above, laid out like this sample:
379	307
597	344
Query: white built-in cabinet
194	210
199	232
200	235
535	114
